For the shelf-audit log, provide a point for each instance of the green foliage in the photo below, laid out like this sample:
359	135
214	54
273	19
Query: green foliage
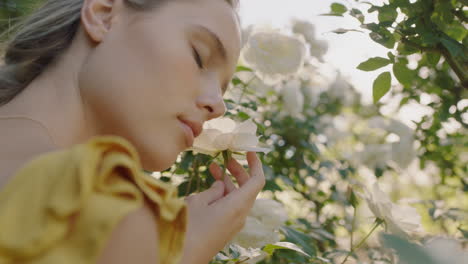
407	251
374	64
381	85
432	35
427	54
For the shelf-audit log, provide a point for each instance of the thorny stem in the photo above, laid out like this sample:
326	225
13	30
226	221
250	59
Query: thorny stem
377	224
242	261
244	88
353	224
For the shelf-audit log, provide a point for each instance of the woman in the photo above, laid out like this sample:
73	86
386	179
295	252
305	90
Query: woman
147	72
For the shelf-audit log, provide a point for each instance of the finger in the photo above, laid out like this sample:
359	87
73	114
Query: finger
230	186
217	173
215	192
245	196
238	171
256	181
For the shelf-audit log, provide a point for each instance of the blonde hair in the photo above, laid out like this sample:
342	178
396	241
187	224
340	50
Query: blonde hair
42	37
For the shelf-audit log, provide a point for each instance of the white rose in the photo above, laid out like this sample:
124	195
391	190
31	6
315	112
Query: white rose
446	250
318	49
255	234
293	98
253	255
270	212
304	28
341	90
225	134
374	155
399	220
262	224
273	55
312	92
403	152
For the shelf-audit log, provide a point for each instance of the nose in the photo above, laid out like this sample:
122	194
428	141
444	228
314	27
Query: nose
211	101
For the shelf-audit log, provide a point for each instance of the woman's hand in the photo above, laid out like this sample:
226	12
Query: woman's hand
217	214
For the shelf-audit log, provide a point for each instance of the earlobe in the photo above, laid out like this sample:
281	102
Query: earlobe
96	17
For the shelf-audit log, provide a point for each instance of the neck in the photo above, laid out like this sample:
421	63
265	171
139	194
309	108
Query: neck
54	99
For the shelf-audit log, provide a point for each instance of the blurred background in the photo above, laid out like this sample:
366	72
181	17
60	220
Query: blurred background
364	107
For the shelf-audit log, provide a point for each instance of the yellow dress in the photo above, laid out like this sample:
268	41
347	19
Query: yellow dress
98	182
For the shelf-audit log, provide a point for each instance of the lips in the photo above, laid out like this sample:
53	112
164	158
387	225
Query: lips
191	130
194	126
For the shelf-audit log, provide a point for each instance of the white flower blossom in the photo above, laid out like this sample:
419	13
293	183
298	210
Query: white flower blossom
304	28
341	90
225	134
262	224
403	152
253	255
446	250
274	55
374	155
399	220
255	234
270	212
318	49
293	98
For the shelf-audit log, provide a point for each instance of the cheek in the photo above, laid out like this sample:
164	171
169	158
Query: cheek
136	89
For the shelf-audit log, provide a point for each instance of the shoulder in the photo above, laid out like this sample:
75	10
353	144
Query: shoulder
21	141
134	240
94	198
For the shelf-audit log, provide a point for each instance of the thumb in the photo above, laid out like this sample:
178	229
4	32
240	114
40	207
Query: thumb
215	192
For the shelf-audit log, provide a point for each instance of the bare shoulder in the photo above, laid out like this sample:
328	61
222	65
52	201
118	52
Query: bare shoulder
134	240
21	140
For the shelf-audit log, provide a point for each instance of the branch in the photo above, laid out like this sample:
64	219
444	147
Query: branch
461	15
456	67
418	46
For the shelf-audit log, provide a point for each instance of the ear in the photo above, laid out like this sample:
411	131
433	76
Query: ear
97	17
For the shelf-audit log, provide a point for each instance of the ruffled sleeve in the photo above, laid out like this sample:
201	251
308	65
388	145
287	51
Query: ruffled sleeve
62	206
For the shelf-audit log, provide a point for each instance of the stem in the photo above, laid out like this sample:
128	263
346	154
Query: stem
456	67
243	89
353	224
195	171
226	158
377	224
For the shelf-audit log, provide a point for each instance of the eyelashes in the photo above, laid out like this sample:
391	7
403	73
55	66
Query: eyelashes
197	58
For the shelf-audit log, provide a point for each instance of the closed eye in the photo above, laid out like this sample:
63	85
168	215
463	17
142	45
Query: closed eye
197	58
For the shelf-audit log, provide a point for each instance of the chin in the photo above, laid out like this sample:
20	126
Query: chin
158	161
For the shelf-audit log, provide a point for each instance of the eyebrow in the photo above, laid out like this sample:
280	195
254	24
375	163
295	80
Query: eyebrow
220	48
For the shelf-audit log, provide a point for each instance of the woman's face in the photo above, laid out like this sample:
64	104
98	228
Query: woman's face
158	75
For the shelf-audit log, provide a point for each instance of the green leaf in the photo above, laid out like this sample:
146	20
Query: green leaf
455	48
384	38
243	68
408	252
352	198
381	86
373	64
387	14
303	240
404	75
357	14
338	9
270	248
243	115
464	232
433	58
344	30
236	81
